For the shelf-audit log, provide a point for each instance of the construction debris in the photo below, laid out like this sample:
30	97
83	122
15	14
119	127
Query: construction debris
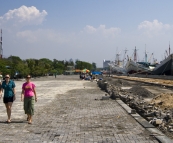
158	111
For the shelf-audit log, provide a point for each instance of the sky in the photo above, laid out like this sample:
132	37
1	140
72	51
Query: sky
87	30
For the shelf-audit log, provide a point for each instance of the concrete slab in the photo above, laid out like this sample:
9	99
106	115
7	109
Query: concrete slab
120	101
155	131
105	98
126	88
126	107
144	122
157	90
164	139
135	115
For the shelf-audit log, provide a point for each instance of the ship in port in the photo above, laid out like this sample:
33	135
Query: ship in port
117	66
166	66
132	66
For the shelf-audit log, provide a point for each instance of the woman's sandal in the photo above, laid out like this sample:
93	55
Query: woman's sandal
29	122
8	121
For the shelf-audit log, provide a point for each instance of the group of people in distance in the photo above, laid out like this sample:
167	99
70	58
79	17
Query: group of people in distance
28	96
85	76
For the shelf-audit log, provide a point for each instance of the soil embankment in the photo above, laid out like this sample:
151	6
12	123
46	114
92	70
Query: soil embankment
148	80
163	99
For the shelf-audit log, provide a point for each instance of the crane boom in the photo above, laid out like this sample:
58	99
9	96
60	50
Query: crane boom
150	57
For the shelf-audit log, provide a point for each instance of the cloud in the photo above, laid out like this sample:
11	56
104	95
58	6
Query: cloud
23	16
113	31
28	36
154	28
50	35
44	36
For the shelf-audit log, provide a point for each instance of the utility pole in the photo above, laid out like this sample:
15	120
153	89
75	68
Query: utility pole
124	58
135	55
169	49
145	54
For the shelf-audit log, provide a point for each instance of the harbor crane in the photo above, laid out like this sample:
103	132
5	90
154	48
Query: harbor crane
149	60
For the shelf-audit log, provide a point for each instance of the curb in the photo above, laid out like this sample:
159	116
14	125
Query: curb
153	130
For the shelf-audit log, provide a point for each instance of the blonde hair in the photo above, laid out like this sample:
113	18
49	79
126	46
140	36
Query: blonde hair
7	75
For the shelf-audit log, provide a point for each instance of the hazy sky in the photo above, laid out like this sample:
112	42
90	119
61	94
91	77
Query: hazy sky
88	30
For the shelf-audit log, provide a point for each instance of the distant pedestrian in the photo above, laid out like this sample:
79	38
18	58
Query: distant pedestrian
8	87
80	75
28	95
91	74
1	78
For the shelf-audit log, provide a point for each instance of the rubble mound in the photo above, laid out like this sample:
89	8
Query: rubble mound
138	90
114	82
124	83
108	79
164	101
117	82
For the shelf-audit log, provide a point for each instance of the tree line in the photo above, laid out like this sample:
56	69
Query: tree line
15	66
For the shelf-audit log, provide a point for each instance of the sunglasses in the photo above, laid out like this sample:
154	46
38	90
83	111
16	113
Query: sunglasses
28	77
7	77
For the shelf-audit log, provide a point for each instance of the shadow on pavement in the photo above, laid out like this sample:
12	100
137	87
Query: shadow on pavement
5	122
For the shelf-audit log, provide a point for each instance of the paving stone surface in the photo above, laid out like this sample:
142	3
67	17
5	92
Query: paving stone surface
70	110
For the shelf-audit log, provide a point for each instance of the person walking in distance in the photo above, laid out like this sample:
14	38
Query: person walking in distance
28	95
8	87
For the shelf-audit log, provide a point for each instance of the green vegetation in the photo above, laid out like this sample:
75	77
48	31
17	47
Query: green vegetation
18	68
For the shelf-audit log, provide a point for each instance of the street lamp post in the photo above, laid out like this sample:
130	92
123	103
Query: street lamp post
109	70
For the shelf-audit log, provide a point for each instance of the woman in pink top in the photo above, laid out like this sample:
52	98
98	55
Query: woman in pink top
28	95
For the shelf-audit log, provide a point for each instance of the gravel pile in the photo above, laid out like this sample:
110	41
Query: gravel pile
138	90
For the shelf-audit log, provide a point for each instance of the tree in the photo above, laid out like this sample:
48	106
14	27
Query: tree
4	66
82	65
31	65
35	67
71	63
46	65
58	66
15	64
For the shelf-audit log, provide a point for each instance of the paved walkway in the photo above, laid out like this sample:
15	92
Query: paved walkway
70	111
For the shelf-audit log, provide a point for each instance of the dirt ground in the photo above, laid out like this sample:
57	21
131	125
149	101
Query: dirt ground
164	101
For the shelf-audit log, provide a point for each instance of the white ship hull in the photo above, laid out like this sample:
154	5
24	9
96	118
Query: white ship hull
133	67
116	68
